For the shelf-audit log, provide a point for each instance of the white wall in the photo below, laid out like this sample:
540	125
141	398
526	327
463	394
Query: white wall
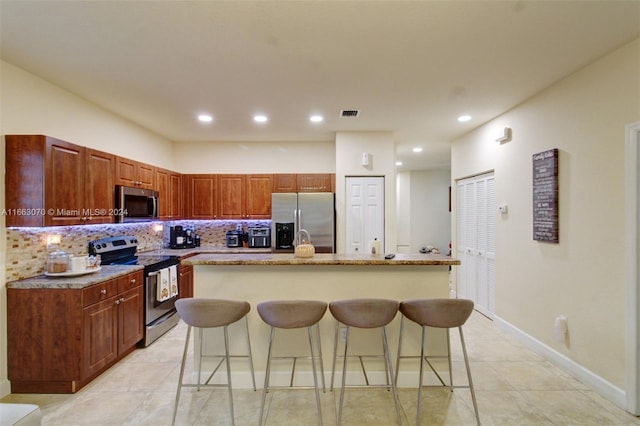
349	149
430	217
256	157
582	277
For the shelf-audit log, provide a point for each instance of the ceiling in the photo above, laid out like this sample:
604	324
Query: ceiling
410	67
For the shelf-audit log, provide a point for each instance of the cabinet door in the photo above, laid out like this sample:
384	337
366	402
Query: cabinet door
164	193
231	196
285	182
24	178
146	175
130	318
133	173
99	186
258	198
186	281
314	182
175	196
64	183
200	196
100	336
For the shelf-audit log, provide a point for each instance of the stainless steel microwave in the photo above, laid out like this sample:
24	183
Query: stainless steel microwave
135	204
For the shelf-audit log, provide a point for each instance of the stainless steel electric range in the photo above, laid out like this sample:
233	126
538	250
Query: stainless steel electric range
160	313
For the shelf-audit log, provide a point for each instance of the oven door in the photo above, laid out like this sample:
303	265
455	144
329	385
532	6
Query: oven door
156	306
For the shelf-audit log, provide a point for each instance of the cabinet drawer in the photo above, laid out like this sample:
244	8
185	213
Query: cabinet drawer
130	281
98	292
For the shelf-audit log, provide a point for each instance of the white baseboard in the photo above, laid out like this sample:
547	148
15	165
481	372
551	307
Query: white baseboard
587	377
5	388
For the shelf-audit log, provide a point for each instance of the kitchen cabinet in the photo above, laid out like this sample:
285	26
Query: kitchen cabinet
315	182
199	196
169	187
186	281
50	182
59	339
244	196
285	182
134	173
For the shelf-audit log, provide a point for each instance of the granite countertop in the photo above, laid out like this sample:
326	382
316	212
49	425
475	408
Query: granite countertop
319	259
105	273
205	249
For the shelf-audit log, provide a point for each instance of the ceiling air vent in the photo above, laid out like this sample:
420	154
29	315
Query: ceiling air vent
349	113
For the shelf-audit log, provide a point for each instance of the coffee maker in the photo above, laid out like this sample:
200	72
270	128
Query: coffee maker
284	235
181	237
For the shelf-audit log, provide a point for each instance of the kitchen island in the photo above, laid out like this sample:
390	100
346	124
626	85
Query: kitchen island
265	276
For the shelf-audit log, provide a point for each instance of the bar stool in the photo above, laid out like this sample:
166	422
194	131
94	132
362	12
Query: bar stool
290	314
210	313
364	313
438	313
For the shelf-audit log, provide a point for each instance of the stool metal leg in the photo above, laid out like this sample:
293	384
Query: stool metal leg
266	377
390	374
253	376
317	327
335	353
466	363
184	359
344	373
315	377
226	352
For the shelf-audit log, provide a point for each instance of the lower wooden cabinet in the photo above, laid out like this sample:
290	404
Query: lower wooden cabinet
186	281
58	340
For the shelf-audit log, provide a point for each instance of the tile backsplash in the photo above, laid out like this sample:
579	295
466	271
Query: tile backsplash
27	247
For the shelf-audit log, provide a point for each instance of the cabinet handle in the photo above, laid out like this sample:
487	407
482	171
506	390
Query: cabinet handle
133	280
122	300
117	302
103	291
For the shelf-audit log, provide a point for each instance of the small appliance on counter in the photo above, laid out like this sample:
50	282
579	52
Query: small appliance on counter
181	238
259	237
235	238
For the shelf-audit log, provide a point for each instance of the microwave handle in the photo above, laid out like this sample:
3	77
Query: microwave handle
155	207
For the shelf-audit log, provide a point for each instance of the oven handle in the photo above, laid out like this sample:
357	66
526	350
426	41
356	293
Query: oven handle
153	274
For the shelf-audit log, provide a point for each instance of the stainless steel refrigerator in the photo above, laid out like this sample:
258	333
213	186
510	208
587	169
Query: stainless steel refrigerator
312	211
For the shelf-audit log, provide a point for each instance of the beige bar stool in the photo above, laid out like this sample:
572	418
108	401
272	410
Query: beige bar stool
210	313
438	313
364	313
289	314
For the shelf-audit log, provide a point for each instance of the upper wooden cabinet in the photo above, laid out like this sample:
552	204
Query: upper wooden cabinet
315	182
199	196
169	187
283	182
244	196
50	182
134	173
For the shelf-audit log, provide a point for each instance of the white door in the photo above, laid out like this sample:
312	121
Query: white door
475	245
365	213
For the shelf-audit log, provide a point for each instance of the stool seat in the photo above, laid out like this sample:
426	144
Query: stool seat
364	313
208	313
439	313
292	313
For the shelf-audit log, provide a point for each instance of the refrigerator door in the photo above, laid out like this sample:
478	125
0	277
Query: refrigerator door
284	208
316	214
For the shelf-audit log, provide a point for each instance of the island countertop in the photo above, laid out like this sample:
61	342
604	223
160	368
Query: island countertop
319	259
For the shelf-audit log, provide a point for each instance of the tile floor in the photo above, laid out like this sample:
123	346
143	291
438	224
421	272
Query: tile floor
514	386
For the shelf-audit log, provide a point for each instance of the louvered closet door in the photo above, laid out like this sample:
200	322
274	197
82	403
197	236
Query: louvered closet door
475	245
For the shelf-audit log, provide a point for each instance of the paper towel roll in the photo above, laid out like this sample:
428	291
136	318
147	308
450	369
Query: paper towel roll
375	246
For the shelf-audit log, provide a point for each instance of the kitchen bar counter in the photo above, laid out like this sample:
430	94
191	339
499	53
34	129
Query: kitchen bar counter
264	276
319	259
105	273
204	249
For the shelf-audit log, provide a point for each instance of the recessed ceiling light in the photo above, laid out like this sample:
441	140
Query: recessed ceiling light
260	118
417	149
316	118
464	118
398	163
205	118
